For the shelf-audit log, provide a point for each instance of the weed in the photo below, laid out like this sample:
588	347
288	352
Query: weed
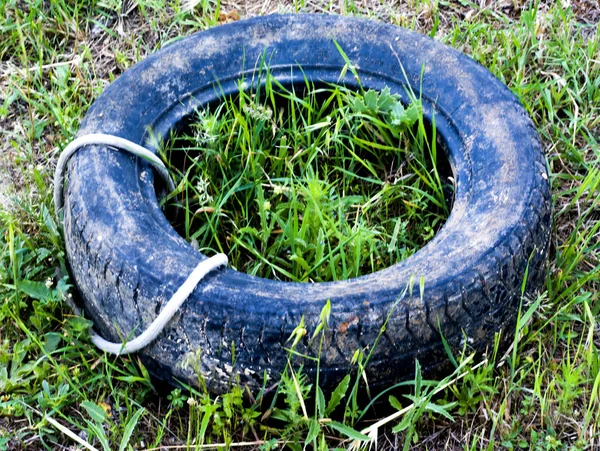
308	183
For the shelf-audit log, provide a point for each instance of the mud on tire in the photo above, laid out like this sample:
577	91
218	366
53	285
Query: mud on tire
126	260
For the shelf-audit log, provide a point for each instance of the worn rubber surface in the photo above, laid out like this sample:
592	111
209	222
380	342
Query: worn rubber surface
126	259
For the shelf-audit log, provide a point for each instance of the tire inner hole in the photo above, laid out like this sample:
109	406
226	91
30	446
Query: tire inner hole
308	183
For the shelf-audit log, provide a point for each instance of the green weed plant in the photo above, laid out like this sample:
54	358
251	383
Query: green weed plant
309	183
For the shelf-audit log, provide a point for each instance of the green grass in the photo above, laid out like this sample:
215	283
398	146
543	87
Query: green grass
308	184
540	395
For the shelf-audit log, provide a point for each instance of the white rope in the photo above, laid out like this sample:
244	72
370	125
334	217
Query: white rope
166	313
203	268
107	140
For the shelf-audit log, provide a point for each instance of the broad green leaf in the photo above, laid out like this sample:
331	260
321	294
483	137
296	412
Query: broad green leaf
51	342
337	395
412	113
418	378
348	431
35	290
394	402
358	106
313	431
371	100
386	100
97	431
208	414
405	423
398	114
4	380
19	352
129	428
298	259
442	410
95	412
320	402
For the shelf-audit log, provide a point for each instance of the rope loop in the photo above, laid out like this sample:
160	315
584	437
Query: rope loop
204	267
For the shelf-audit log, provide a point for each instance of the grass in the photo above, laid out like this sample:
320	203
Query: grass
540	395
308	184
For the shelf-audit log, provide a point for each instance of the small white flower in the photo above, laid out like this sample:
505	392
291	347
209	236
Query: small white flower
49	283
258	111
203	197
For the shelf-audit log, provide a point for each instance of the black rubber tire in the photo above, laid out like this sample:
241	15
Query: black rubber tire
127	260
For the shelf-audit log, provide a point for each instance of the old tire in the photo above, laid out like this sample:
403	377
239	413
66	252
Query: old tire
126	260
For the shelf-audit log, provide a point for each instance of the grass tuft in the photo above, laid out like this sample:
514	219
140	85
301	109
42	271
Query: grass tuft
308	183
